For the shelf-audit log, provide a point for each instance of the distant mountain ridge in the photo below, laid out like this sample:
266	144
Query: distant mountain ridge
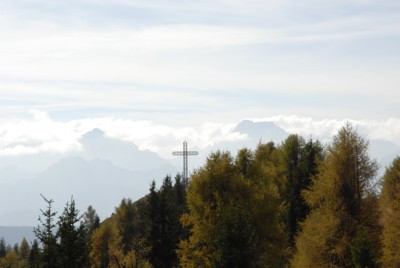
266	131
123	154
97	182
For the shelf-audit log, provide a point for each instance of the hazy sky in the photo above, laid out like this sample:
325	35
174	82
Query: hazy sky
175	69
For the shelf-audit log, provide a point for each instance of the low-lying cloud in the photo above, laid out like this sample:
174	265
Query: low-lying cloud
40	133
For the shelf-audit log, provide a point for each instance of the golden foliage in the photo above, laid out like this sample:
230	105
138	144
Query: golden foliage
233	214
337	197
390	206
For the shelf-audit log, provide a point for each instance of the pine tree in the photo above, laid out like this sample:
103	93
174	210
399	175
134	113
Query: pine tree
124	217
153	230
118	241
163	211
361	249
99	254
390	206
233	213
24	249
16	248
267	207
180	208
11	260
336	198
73	246
208	198
34	259
298	163
91	220
47	237
244	161
3	247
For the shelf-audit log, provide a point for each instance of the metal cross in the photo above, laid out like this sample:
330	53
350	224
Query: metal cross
185	154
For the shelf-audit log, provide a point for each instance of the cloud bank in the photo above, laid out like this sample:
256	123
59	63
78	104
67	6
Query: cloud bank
39	133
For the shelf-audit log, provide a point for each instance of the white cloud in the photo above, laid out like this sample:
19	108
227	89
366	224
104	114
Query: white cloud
36	135
164	139
40	133
325	129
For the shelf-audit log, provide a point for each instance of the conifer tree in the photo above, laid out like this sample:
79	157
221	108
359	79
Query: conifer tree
336	197
47	236
11	260
180	208
232	214
24	249
16	248
100	247
152	214
117	242
164	209
124	220
91	220
244	161
3	247
298	163
267	207
390	206
73	246
361	249
34	255
167	223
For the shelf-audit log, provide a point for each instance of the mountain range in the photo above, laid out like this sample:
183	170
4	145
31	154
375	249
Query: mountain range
106	171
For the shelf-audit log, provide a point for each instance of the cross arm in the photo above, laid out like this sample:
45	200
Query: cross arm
185	153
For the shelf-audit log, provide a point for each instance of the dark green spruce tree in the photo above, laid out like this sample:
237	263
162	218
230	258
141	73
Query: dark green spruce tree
299	160
34	258
164	210
154	230
46	235
3	247
73	246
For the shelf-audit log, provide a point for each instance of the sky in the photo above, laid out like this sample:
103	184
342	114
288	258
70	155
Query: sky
158	72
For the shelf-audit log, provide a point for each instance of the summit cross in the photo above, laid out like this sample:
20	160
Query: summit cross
185	153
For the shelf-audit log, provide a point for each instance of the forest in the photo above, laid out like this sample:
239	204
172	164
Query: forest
295	204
